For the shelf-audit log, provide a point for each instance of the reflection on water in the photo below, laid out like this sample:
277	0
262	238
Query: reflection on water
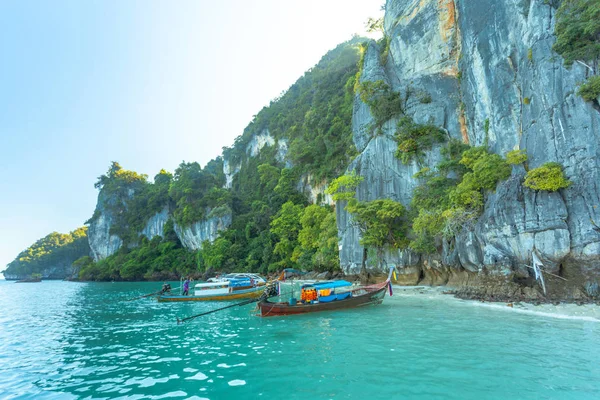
82	340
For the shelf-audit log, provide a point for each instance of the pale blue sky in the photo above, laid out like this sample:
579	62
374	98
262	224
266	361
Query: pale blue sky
145	83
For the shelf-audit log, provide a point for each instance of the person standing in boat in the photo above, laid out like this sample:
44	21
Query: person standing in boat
186	286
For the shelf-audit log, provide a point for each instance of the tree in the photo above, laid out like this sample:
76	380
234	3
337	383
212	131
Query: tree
381	224
374	25
269	176
318	241
215	254
327	257
577	32
344	187
549	177
286	226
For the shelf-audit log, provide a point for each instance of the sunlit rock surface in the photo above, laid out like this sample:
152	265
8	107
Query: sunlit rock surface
484	61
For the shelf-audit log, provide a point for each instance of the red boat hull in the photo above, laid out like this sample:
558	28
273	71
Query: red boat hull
268	309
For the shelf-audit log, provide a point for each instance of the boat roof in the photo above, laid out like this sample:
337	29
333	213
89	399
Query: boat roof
211	284
241	275
328	285
232	281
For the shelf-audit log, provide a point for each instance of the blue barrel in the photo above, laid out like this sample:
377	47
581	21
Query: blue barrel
293	301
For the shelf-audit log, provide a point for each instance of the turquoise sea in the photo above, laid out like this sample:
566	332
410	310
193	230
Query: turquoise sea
63	340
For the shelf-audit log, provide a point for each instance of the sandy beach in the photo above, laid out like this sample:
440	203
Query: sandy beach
585	312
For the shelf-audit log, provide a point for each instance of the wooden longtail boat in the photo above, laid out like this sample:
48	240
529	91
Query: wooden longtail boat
362	296
226	289
320	296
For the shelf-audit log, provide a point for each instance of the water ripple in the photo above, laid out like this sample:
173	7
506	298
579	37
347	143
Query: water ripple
79	340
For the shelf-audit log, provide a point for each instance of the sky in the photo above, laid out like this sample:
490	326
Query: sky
147	83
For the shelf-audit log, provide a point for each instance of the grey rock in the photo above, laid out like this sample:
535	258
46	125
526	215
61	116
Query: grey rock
282	152
191	237
468	251
155	225
362	120
473	60
229	170
314	191
258	141
102	242
592	289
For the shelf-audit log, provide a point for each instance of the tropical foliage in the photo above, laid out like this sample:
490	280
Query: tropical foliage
516	157
382	222
49	252
590	90
577	32
451	197
383	102
272	225
549	177
413	139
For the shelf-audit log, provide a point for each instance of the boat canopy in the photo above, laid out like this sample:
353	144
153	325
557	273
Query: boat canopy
238	282
327	285
210	284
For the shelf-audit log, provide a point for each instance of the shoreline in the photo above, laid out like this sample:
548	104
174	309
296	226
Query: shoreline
589	312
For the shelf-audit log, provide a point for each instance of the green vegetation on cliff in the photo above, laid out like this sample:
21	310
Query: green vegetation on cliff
549	177
577	32
451	197
590	90
53	251
272	224
313	116
382	222
195	190
383	102
516	157
159	258
414	139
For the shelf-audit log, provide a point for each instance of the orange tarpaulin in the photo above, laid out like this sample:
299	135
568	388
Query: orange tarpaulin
308	295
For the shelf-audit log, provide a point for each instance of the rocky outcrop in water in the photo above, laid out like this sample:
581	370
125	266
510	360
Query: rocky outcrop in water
487	64
60	269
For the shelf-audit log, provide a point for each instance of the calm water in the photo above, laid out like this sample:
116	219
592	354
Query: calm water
81	340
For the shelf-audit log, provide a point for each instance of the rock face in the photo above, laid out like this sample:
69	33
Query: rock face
155	225
282	152
192	236
230	170
60	269
491	61
102	243
258	142
315	192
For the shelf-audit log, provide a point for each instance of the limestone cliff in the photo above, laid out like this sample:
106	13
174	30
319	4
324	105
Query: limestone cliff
192	236
102	242
156	224
487	63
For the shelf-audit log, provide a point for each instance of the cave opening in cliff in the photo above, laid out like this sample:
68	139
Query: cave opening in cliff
561	270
